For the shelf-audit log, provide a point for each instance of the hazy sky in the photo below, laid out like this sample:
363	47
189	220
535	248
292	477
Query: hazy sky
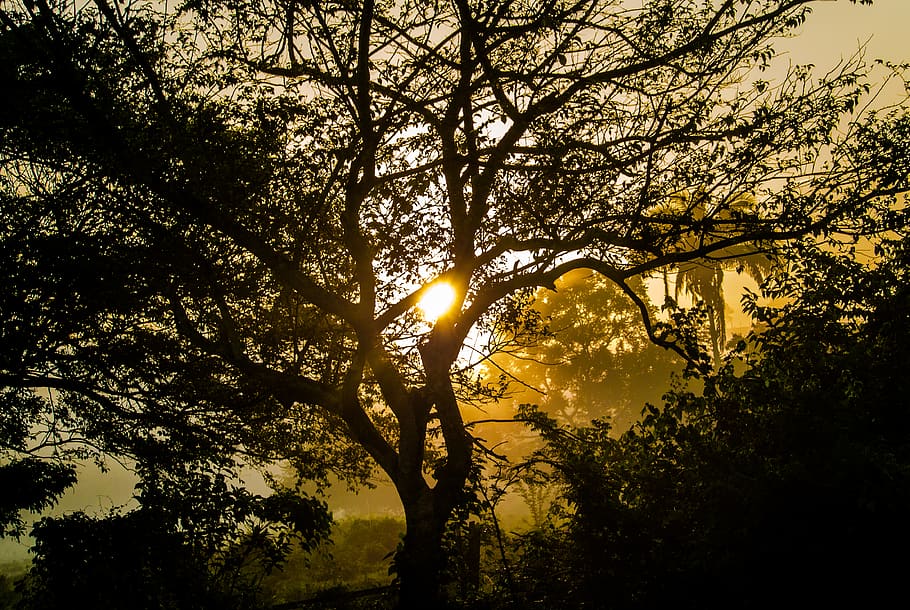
834	31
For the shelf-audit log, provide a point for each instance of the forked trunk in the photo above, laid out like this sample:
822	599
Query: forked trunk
421	562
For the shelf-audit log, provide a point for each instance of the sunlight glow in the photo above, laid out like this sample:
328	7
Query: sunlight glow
436	301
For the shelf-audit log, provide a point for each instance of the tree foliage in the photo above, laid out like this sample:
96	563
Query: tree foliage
32	485
788	472
196	541
598	360
217	217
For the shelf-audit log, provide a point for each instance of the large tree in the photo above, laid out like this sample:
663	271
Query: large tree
218	217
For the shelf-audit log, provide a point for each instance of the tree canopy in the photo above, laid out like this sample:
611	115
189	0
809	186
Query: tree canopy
218	217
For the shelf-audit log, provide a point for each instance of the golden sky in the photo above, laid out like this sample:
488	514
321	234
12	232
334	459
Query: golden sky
835	30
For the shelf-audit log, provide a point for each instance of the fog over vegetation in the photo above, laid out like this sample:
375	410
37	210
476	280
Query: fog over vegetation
454	304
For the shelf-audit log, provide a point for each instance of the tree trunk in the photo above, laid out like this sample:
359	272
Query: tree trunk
421	561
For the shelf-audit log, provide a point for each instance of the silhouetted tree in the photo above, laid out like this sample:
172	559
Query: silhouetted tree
786	477
196	541
122	561
217	217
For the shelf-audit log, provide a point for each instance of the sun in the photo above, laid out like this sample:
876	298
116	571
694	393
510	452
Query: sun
436	301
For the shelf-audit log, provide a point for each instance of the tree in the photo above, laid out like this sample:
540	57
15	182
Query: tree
787	472
196	541
703	278
595	360
127	560
217	218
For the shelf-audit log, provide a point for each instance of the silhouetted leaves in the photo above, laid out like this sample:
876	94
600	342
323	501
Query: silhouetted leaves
788	472
33	485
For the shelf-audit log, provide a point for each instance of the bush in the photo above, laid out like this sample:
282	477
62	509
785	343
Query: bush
784	480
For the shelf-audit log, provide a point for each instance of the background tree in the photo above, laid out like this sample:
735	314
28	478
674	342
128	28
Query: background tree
358	557
703	278
595	359
217	218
